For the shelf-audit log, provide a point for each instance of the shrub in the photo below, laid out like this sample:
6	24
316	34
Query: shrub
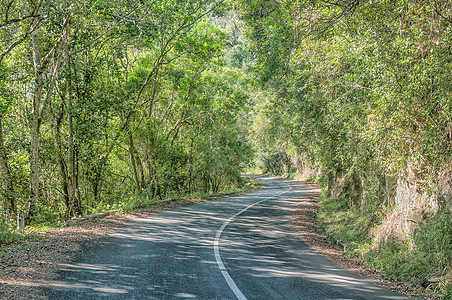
433	238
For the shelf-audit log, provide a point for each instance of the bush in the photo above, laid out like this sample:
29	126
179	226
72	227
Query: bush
394	259
430	256
274	163
433	238
425	255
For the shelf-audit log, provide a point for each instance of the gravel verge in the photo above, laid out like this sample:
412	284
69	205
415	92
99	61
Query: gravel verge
29	264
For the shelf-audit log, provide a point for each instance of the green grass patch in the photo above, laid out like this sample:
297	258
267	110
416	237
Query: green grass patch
433	238
45	226
291	175
395	259
425	255
8	232
7	237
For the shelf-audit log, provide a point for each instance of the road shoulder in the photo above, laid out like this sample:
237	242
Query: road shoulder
27	265
304	222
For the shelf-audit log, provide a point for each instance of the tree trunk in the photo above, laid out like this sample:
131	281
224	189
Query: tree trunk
96	181
8	193
75	209
36	114
139	163
133	162
74	203
59	157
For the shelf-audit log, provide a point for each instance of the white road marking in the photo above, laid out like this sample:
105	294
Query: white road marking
216	247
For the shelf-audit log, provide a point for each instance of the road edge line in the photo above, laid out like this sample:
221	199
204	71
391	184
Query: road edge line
216	247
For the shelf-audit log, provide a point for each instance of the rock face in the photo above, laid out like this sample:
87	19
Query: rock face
409	209
410	206
305	169
444	190
350	186
406	200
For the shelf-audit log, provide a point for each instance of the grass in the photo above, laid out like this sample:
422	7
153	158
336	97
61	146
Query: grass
8	232
7	237
45	226
416	260
347	227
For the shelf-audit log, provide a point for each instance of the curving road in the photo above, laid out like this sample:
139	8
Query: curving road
241	247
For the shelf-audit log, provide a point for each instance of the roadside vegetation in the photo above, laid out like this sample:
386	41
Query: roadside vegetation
357	95
118	105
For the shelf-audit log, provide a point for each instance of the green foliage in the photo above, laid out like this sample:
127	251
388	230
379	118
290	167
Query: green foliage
142	107
40	227
447	293
362	91
6	96
156	100
7	231
433	239
274	163
395	259
349	226
426	255
353	97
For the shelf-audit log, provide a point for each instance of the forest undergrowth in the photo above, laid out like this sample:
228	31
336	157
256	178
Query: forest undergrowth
423	260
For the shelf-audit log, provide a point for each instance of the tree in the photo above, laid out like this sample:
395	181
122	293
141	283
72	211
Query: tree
362	89
41	65
18	21
115	100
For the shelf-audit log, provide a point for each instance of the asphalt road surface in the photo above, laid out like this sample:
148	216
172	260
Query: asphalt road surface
241	247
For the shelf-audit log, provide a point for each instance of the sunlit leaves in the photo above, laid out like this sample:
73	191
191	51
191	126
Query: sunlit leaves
374	76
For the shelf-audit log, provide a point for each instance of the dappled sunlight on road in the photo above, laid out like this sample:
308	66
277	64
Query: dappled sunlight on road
260	244
170	256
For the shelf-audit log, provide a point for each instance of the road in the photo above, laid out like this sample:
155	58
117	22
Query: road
241	247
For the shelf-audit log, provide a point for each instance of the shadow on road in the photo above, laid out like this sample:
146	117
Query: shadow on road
170	256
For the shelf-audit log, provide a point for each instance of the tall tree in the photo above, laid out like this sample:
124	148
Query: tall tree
42	64
18	21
